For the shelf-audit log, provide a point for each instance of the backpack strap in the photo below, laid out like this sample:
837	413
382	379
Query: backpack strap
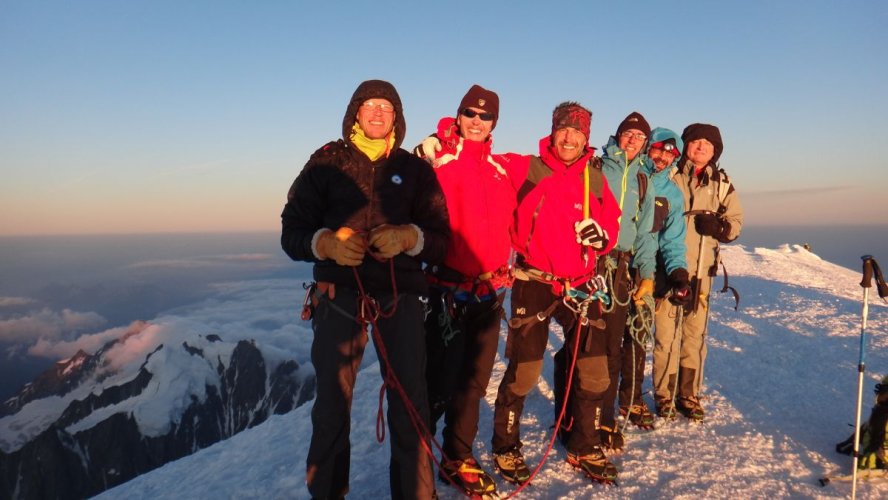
537	171
596	177
725	187
642	187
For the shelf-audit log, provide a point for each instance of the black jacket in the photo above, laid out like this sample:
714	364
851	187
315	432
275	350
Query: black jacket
340	186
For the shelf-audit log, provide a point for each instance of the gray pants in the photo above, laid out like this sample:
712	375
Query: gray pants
668	357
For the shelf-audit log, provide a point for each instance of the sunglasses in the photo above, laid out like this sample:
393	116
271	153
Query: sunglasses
471	113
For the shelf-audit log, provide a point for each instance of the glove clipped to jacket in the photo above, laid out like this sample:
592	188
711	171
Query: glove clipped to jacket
388	240
681	287
590	234
709	224
345	246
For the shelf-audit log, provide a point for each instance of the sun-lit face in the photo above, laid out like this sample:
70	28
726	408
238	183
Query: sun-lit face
661	157
631	141
700	152
569	144
376	117
474	129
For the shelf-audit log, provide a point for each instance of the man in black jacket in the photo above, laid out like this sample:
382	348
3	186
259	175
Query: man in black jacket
367	214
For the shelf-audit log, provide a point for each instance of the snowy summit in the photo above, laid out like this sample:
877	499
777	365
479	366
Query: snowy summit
780	391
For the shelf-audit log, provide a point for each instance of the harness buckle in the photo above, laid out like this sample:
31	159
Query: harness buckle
368	305
308	304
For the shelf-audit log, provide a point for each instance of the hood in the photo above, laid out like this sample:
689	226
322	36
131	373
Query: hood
661	134
371	89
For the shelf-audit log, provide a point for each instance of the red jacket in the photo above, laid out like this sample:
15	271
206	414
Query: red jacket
479	188
543	231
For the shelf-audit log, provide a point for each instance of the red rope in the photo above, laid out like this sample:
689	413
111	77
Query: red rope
390	380
573	364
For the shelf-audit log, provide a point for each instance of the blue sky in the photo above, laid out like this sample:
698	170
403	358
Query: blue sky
163	116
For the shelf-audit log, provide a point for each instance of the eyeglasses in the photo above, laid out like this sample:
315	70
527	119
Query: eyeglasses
636	135
880	388
471	113
373	106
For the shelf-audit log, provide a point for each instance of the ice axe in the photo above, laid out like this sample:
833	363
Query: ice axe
870	268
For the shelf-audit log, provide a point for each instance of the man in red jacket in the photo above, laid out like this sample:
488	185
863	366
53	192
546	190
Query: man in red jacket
466	291
566	218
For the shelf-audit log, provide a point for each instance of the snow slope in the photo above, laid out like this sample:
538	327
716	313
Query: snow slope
780	391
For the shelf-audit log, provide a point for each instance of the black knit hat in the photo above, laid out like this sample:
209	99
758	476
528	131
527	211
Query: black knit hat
711	133
375	89
481	98
634	121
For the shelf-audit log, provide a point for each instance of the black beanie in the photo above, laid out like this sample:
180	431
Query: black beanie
481	98
634	121
696	131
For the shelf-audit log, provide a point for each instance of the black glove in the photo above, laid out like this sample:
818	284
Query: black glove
590	234
681	287
709	225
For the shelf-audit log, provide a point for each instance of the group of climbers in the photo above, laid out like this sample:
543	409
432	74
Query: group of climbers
618	249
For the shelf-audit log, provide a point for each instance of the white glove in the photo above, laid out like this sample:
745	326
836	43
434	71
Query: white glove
427	148
590	234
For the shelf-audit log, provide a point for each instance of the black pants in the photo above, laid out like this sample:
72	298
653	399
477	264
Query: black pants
611	338
336	353
461	341
525	350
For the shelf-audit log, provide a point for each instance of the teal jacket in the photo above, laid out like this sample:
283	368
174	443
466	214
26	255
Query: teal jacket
636	220
669	221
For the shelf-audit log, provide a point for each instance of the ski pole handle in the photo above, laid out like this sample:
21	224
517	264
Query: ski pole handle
867	281
880	280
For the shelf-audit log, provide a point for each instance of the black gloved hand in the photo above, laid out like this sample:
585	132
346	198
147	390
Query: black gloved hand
709	225
681	287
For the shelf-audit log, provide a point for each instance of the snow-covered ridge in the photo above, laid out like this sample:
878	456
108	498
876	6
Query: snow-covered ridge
158	391
780	391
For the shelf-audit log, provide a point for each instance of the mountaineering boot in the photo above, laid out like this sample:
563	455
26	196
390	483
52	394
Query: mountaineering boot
690	408
639	415
468	476
611	438
511	466
666	409
595	465
686	401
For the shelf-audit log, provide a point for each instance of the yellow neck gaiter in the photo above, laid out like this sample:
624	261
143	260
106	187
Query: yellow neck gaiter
373	148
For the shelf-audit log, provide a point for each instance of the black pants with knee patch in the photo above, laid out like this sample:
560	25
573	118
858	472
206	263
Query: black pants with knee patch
525	349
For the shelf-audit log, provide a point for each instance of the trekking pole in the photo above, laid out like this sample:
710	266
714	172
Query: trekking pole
679	311
870	267
696	300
